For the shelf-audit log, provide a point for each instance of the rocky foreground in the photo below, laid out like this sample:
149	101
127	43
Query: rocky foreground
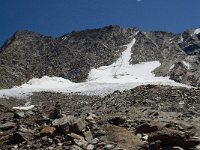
147	117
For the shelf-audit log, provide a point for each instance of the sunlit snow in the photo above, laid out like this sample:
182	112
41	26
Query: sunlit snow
172	66
120	75
197	31
187	64
24	107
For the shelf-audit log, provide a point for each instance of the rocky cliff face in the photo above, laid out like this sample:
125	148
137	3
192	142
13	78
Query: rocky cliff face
26	54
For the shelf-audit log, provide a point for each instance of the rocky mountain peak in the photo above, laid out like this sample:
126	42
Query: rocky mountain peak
27	54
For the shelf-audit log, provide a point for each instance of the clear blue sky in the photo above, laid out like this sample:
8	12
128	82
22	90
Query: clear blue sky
57	17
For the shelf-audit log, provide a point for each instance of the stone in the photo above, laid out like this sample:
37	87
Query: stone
29	113
15	146
91	117
123	138
198	147
78	126
108	147
94	141
97	132
47	131
59	144
88	136
7	126
90	147
19	115
66	120
101	144
76	136
51	148
81	143
173	137
64	124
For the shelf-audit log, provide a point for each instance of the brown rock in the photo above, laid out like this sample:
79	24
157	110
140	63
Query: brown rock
47	131
123	138
173	138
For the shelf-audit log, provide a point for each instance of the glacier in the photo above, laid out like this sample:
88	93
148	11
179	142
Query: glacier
121	75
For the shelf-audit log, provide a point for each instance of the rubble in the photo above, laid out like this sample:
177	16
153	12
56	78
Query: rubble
120	121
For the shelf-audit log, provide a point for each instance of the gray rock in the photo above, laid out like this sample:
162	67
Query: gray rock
94	141
7	126
29	113
66	120
18	115
97	132
90	147
76	136
108	147
88	136
81	143
78	125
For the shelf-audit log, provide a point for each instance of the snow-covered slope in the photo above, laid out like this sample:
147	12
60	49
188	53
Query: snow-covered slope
120	75
197	31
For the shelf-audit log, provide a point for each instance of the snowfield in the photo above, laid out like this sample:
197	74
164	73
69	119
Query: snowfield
197	31
120	75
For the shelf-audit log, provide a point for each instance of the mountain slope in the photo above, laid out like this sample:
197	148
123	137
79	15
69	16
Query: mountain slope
27	54
30	55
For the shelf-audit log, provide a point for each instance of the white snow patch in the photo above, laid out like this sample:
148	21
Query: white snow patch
181	39
120	75
46	82
197	31
172	66
24	107
64	38
187	64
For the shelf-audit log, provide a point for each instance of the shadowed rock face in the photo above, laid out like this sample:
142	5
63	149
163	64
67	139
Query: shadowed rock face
26	54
